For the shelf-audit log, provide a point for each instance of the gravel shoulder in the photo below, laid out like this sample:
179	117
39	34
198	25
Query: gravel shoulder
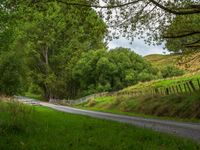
187	130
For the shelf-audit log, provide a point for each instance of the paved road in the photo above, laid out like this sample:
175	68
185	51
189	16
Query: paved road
188	130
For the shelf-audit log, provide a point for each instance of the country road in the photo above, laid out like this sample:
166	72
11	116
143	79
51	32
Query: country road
188	130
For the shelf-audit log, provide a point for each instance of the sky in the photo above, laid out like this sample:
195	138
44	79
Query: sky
138	46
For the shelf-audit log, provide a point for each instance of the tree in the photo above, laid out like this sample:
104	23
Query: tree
13	70
52	38
101	70
56	42
185	32
13	73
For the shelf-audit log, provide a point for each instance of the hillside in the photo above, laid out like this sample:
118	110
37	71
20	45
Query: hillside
172	97
159	60
189	62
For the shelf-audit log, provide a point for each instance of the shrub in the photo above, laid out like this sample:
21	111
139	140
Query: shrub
171	71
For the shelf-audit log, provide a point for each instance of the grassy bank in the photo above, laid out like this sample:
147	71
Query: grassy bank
188	62
45	129
162	83
181	107
159	60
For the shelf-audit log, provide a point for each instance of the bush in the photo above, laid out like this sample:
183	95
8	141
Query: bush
171	71
13	74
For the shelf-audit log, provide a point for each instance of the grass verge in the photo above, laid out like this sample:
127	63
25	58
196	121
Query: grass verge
46	129
184	107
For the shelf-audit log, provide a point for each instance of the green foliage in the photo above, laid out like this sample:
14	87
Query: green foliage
58	42
54	50
12	62
12	72
51	37
184	25
171	71
99	71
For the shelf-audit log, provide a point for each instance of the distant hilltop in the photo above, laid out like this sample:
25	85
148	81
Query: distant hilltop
188	62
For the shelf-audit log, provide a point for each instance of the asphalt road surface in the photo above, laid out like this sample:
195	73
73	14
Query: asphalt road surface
187	130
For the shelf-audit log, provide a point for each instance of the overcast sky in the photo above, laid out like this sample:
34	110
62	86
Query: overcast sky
138	46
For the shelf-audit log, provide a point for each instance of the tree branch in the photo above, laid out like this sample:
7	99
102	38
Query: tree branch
193	9
181	35
184	11
195	42
98	6
193	46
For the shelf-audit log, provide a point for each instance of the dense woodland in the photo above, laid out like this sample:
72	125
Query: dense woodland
59	50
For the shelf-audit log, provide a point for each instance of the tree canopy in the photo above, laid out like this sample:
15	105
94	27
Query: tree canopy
51	38
101	70
183	34
147	19
57	47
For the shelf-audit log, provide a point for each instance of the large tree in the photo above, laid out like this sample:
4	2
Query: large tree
52	36
58	35
146	19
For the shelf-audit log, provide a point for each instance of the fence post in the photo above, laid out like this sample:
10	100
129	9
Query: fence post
177	89
198	83
180	88
185	87
192	85
188	85
173	89
167	91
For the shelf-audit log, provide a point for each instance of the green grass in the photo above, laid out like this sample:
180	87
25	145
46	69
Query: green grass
34	96
46	129
184	107
161	83
187	62
159	60
116	111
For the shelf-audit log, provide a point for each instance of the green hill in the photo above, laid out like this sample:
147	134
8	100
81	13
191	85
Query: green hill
159	60
188	62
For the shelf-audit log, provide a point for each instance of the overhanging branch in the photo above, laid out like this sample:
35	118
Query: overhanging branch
192	9
98	6
181	35
195	9
193	44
